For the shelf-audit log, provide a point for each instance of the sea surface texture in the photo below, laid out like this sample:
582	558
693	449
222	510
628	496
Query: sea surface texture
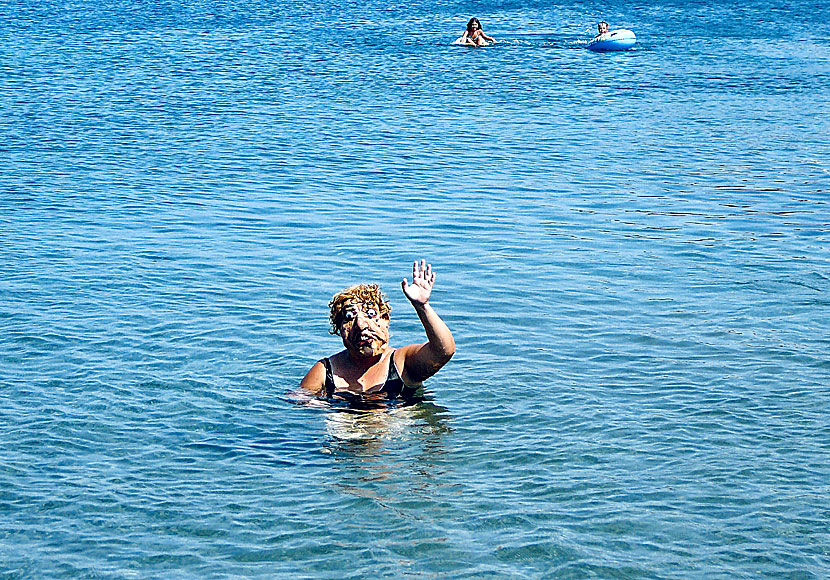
632	250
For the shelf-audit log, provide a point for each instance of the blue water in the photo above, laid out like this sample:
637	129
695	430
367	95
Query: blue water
632	250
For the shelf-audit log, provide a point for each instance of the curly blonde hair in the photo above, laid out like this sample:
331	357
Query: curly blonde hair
369	294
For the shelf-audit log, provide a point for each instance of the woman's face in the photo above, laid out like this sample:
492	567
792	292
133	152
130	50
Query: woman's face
364	329
603	28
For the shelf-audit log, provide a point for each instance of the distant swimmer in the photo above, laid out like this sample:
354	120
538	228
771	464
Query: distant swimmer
611	40
474	35
369	369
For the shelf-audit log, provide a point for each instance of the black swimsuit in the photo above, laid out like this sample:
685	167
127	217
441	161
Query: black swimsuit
392	388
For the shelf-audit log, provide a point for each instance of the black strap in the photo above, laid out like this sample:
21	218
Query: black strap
329	384
393	386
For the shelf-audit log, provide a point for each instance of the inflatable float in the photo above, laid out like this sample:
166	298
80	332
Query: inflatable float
620	39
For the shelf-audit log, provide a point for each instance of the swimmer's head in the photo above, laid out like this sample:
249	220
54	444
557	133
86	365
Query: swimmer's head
602	27
362	297
473	22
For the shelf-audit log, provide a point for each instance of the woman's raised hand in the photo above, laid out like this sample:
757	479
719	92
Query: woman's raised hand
423	279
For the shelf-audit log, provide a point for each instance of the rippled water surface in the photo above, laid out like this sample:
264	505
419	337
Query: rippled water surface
633	252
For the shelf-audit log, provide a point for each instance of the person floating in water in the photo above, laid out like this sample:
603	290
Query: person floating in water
474	35
602	28
369	369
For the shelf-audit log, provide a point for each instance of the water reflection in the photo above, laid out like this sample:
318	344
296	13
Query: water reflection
388	453
348	427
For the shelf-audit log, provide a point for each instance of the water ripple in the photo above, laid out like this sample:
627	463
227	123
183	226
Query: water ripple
632	252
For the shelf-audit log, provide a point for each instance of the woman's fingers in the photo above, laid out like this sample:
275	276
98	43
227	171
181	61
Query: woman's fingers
422	271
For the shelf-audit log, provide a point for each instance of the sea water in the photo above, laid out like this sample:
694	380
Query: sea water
632	251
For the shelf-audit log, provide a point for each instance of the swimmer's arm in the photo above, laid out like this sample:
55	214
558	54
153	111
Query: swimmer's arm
314	380
421	361
488	38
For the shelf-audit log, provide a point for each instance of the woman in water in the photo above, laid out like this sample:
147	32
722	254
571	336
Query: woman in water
474	35
369	369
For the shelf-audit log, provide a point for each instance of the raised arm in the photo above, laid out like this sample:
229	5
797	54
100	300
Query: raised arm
421	361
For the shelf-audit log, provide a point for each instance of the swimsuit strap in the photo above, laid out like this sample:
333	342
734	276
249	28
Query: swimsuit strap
394	383
329	384
392	386
393	370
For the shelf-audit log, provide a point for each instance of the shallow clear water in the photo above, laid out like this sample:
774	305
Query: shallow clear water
631	248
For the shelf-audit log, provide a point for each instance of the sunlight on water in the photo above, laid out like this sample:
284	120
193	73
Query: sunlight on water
631	251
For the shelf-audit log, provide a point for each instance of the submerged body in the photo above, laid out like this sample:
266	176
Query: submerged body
620	39
368	369
393	387
474	35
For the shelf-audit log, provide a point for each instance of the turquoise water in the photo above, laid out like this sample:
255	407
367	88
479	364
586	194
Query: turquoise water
632	250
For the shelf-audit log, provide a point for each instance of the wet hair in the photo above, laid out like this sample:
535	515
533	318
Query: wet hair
359	294
470	23
601	23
